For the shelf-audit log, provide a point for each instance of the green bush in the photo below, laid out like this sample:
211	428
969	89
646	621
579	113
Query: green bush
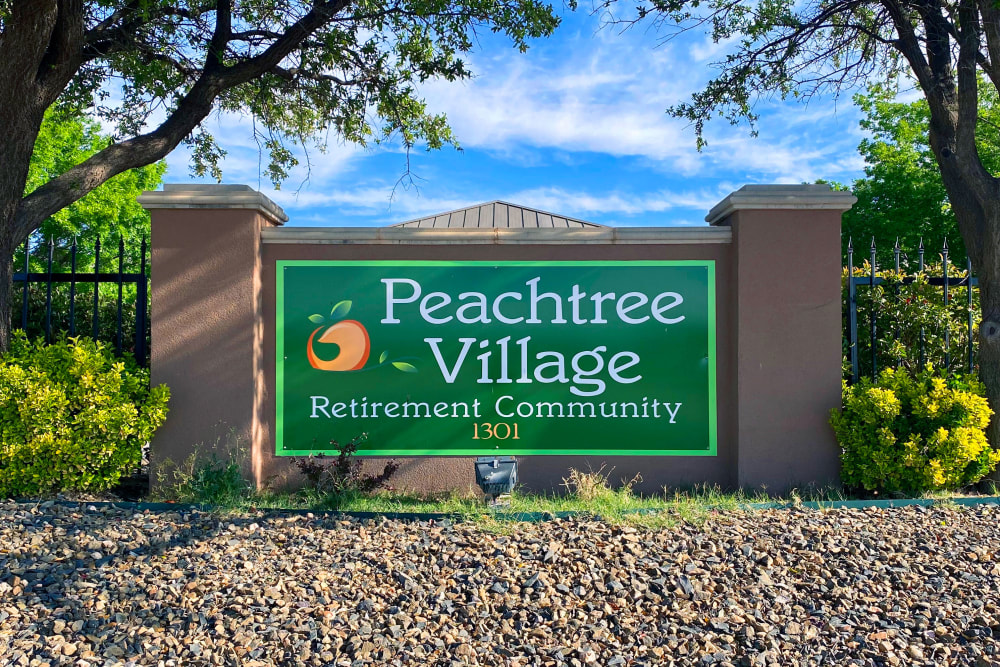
914	432
73	417
911	320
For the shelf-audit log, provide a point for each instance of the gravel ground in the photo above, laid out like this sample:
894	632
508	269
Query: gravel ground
85	586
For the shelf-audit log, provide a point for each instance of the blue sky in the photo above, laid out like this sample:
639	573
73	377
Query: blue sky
575	126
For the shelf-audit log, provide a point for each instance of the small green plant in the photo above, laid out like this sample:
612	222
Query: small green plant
343	475
914	432
212	474
216	480
73	417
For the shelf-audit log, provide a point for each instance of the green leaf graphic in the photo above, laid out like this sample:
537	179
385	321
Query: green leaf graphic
383	357
317	319
340	310
405	367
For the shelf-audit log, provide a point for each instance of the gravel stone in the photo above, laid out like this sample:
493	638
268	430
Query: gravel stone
82	585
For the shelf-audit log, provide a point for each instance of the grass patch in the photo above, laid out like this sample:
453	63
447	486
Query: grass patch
221	484
217	482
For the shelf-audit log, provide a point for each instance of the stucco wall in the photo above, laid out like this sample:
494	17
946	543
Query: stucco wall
778	329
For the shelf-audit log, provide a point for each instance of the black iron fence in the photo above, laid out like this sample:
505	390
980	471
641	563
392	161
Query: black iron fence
914	313
889	312
108	303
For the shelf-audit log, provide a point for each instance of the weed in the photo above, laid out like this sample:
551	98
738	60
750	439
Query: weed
215	478
343	476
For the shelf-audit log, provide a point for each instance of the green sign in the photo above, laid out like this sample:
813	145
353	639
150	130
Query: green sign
475	358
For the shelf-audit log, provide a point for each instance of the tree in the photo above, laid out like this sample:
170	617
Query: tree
800	49
110	211
155	69
902	195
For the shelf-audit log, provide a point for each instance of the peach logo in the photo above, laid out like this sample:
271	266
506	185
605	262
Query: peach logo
352	343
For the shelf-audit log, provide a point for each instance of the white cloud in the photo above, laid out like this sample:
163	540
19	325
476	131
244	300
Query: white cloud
596	98
580	204
246	159
379	204
609	96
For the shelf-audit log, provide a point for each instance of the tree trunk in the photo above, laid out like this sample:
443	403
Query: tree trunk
988	270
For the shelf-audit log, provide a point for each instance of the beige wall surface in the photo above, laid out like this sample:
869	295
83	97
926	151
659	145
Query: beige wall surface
539	473
776	250
788	347
205	319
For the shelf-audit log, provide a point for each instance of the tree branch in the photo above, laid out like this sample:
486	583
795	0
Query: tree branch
23	46
220	38
968	82
991	29
908	46
190	111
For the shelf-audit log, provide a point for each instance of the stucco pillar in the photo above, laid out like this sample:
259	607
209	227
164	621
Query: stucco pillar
207	332
786	301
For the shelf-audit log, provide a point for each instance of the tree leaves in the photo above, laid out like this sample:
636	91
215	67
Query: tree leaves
902	195
405	367
341	310
383	357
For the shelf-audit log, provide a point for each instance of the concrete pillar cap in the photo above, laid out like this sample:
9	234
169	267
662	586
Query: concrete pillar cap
190	195
773	197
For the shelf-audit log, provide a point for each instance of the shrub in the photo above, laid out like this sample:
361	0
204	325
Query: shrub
911	433
343	475
911	320
72	416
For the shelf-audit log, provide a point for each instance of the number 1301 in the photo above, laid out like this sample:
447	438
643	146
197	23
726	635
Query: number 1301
498	431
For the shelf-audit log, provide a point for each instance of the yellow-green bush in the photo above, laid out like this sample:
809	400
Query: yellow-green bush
73	417
912	433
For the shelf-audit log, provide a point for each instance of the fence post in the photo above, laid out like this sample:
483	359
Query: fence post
24	288
95	318
788	337
206	316
72	289
141	304
873	323
48	292
920	269
970	335
852	305
947	320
